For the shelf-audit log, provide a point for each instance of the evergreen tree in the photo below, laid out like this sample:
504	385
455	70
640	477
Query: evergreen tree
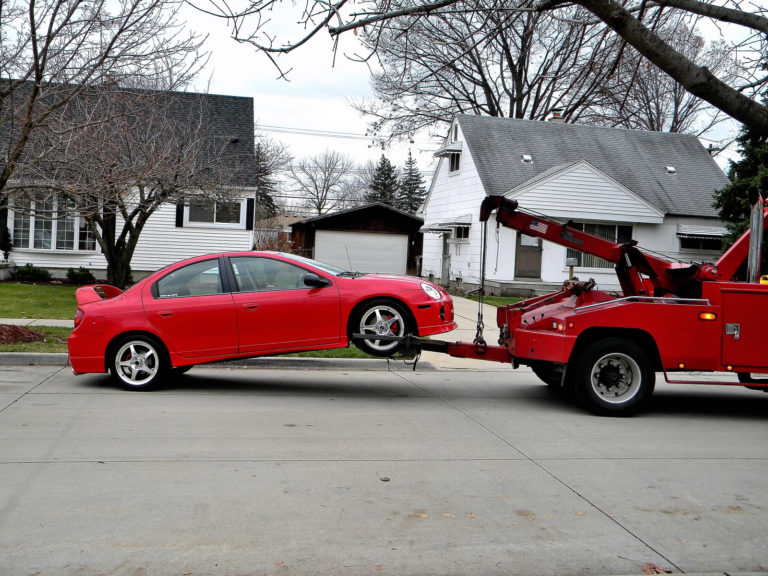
748	174
385	184
412	192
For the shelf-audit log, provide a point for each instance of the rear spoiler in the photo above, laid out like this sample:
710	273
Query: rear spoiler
96	292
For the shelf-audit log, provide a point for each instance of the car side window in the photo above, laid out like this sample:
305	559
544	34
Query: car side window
198	279
254	274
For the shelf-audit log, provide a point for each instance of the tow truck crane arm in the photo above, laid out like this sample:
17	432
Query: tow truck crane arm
639	273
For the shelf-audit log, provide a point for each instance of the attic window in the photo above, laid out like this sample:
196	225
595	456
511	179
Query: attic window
671	170
527	159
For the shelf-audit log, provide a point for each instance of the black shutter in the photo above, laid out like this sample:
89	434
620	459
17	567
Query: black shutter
179	215
249	205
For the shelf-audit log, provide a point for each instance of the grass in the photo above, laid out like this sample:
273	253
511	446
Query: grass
55	341
495	300
37	301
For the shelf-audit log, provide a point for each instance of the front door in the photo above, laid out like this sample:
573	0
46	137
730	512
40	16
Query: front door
445	276
528	257
277	312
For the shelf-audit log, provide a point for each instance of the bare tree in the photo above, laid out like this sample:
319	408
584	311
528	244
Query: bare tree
112	157
518	64
324	182
51	49
634	24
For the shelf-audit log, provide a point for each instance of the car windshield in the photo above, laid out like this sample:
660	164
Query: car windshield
321	265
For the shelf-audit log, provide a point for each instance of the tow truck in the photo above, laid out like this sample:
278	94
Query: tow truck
670	317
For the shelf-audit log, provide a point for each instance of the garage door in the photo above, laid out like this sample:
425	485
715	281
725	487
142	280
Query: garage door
362	251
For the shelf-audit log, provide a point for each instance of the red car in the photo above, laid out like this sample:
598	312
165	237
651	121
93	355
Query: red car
245	304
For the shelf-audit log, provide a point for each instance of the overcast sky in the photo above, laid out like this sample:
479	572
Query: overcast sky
310	112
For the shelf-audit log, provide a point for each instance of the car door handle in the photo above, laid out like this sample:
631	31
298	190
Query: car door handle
165	313
249	305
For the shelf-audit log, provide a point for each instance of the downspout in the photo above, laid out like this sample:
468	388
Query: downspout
755	236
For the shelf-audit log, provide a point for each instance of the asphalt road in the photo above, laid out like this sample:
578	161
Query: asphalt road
306	471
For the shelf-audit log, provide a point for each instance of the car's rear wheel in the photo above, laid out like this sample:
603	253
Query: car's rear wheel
138	362
381	318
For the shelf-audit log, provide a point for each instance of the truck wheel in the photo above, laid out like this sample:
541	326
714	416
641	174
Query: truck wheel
380	318
137	362
614	377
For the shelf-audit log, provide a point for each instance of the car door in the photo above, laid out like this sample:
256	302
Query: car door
276	311
193	311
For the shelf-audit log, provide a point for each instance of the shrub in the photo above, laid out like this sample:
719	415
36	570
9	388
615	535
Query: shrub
80	277
30	273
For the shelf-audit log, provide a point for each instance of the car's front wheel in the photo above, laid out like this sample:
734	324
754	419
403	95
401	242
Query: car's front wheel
138	362
381	318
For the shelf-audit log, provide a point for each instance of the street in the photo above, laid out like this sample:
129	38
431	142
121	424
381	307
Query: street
330	469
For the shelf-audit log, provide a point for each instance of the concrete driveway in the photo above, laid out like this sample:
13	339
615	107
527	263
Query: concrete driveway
328	470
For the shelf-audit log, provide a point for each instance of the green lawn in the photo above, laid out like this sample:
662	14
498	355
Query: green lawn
37	301
495	300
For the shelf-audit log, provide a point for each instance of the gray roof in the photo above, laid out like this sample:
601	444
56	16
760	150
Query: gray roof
636	159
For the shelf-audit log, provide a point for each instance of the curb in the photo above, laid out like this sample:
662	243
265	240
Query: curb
264	363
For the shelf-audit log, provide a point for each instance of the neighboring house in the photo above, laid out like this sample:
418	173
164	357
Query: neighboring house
46	239
370	238
621	184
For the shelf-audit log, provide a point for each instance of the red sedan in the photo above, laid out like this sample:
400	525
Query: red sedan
245	304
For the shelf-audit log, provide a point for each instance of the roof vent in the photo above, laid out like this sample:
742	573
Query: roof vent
671	170
527	159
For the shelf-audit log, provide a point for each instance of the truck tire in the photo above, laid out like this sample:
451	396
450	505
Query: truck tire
614	377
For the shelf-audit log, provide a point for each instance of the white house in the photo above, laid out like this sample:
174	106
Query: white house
48	235
621	184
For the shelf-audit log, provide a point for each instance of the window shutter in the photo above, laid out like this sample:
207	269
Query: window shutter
249	214
179	215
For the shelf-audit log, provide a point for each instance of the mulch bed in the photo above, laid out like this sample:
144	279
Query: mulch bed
10	334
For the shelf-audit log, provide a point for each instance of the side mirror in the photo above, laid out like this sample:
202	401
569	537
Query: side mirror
315	281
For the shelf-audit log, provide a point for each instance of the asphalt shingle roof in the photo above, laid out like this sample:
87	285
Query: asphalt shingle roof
636	159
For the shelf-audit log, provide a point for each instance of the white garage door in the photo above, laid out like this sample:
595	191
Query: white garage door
362	251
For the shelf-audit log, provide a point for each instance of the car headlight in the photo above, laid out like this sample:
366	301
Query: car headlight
431	291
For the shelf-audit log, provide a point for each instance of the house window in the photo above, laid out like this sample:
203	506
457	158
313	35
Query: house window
701	243
216	213
453	160
612	232
462	233
50	223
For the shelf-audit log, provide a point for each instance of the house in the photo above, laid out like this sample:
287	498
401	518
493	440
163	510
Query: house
620	184
45	236
370	238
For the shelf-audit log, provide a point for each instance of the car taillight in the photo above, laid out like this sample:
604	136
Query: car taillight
79	317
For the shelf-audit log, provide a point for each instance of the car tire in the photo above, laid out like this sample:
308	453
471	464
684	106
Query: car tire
138	362
614	377
381	318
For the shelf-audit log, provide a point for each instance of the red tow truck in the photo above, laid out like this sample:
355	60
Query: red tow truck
670	317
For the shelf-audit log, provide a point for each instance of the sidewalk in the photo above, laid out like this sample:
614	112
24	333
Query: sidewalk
32	322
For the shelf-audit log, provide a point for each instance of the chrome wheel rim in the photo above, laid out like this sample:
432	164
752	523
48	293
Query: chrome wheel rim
616	378
382	321
137	363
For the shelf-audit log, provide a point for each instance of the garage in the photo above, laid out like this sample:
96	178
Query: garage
370	238
362	251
